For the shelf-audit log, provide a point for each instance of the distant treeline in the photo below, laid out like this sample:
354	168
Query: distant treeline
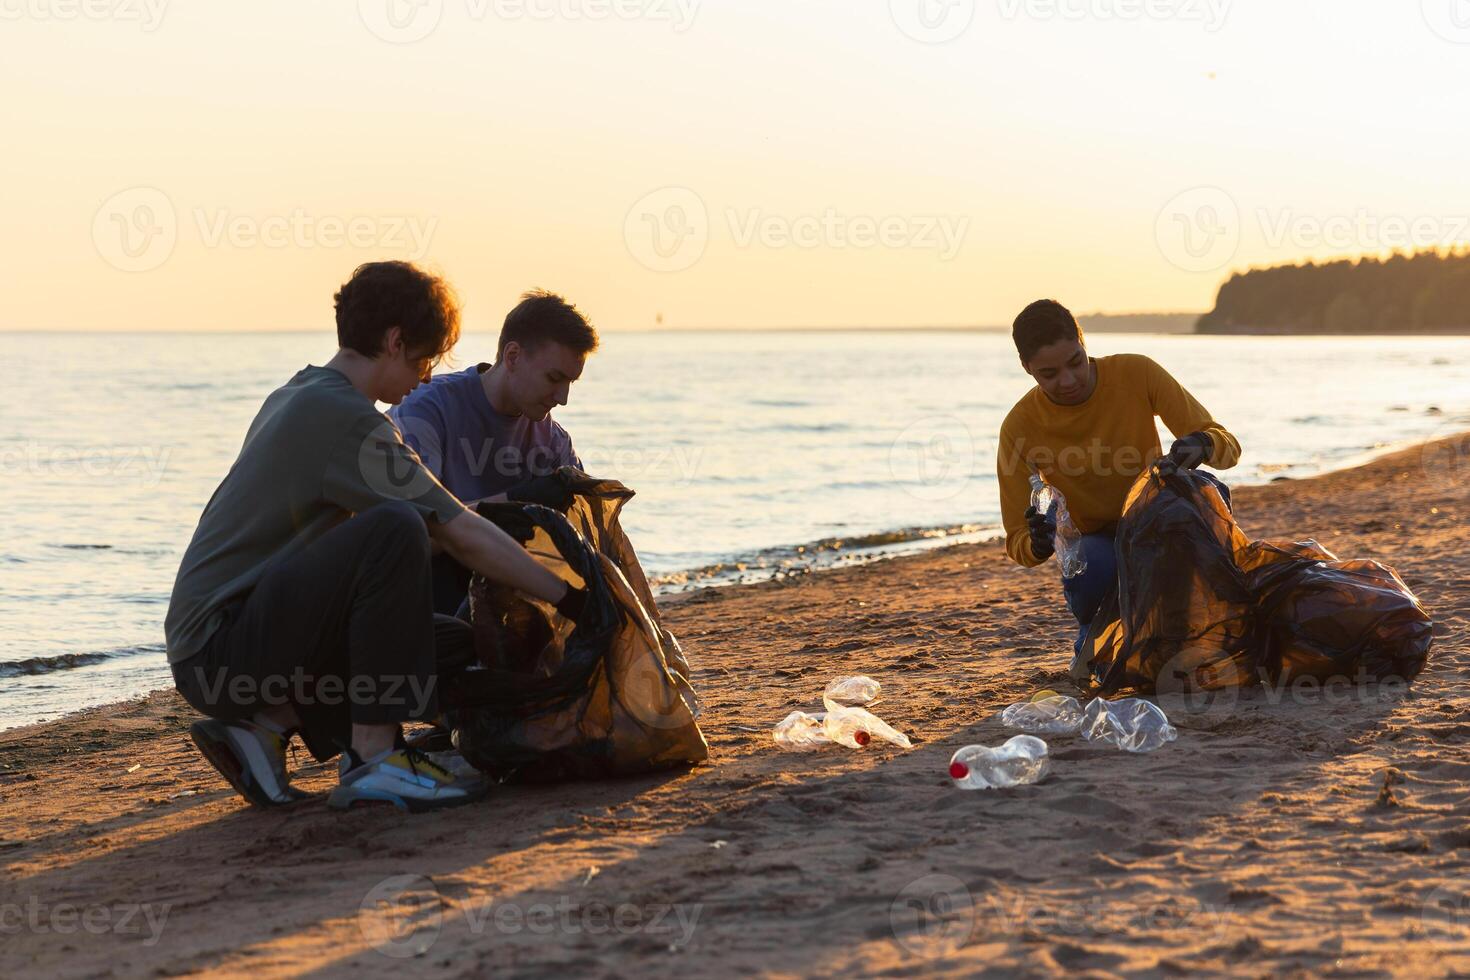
1428	292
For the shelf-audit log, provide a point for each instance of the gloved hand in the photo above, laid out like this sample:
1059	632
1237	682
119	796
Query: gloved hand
548	491
1186	453
572	604
1043	533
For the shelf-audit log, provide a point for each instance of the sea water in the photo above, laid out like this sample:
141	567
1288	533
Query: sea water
752	454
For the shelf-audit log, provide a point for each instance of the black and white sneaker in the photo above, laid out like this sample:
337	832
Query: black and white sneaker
251	757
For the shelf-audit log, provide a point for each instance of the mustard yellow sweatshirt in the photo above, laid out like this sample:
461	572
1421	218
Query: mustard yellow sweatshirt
1093	452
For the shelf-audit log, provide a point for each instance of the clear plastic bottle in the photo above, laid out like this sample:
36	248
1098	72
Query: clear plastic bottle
1055	715
1048	499
1132	724
856	727
800	730
1021	760
850	692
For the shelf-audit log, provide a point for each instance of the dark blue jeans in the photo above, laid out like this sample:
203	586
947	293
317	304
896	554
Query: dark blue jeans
1086	592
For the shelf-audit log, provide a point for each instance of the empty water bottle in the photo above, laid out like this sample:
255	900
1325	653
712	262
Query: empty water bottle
1132	724
800	730
851	691
1055	715
856	727
1048	499
1021	760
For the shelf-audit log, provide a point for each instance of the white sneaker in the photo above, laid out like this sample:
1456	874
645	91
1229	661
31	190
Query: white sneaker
404	778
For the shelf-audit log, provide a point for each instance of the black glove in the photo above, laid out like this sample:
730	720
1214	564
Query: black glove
572	604
1186	453
548	491
1043	533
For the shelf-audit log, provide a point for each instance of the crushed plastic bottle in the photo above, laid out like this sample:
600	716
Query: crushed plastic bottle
851	692
1048	499
800	730
1132	724
856	727
1055	715
1021	760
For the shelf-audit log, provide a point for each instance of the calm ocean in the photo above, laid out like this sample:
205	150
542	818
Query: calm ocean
751	453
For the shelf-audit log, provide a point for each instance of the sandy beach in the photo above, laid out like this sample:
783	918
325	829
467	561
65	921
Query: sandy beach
1317	832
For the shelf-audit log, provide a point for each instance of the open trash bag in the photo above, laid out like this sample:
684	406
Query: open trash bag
549	701
1198	606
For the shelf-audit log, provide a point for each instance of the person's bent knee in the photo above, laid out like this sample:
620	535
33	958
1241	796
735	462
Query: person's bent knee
398	522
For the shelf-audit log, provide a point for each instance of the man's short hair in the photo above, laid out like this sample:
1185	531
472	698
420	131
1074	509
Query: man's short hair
1043	322
383	295
542	317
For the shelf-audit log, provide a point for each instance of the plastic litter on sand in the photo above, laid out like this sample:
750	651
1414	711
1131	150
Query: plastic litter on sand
1021	760
844	722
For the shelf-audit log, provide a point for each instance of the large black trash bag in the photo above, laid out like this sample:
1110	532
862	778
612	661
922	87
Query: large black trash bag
1198	606
550	700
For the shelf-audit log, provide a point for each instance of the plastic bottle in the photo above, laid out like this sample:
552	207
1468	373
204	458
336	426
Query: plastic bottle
856	727
800	730
851	692
1048	499
1132	724
1021	760
1055	715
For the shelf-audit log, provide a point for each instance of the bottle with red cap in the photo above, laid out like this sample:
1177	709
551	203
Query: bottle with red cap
1021	760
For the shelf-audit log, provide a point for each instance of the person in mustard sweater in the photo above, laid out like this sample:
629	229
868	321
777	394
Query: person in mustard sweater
1088	428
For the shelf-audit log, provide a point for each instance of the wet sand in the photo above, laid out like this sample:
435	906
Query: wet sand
1315	832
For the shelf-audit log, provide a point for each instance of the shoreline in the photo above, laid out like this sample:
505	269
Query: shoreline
1220	853
776	563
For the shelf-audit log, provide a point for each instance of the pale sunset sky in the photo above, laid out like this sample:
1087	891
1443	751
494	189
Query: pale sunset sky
197	165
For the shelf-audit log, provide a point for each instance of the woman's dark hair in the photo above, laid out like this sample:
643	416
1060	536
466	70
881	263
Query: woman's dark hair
1043	322
541	317
383	295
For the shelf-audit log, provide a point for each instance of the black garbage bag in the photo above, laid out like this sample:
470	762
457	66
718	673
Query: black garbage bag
549	700
1198	606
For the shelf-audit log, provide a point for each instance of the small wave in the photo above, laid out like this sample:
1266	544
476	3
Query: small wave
84	547
35	666
798	559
